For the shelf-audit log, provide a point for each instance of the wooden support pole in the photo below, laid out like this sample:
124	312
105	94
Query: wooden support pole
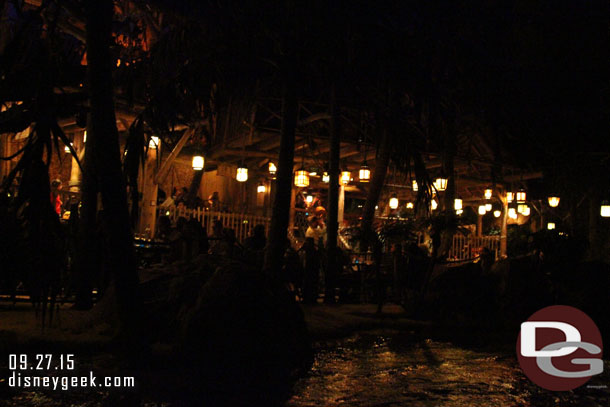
148	207
166	166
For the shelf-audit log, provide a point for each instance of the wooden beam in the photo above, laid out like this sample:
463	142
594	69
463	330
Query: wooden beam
165	167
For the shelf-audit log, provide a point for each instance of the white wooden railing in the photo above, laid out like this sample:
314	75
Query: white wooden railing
467	247
241	223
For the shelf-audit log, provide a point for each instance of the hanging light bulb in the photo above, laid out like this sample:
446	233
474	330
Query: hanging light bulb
365	173
550	226
457	204
497	213
488	207
301	178
510	196
440	184
346	177
512	213
198	162
393	202
554	201
488	193
242	173
521	196
153	143
261	188
605	209
309	198
272	168
482	210
433	204
410	205
414	186
325	177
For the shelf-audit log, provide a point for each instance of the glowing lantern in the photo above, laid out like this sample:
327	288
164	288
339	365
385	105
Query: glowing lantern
521	208
309	199
550	226
67	149
526	211
459	212
198	162
554	201
261	188
153	143
488	193
521	196
512	213
346	177
605	209
433	204
393	202
415	187
510	196
325	177
364	174
440	184
272	168
488	207
497	214
301	178
410	205
457	204
242	174
482	210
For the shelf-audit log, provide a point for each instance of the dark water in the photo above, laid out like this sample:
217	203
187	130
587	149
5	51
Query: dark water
384	369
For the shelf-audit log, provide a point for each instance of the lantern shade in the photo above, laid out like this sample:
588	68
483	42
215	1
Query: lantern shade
433	204
153	143
550	226
488	207
198	162
512	213
364	174
272	168
497	213
457	204
521	196
488	193
510	196
605	209
346	177
394	202
482	210
440	184
414	186
301	178
242	174
554	201
325	177
261	188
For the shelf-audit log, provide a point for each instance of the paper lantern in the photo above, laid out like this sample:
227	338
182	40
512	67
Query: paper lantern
198	162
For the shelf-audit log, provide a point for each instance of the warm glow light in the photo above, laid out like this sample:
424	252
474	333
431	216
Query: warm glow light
242	174
554	201
325	177
67	149
272	168
510	196
153	143
301	178
512	213
459	211
313	173
85	136
605	209
393	202
550	226
364	174
457	204
198	162
433	204
521	208
488	207
526	211
488	193
440	184
309	199
261	188
410	205
521	196
346	176
497	213
482	210
415	187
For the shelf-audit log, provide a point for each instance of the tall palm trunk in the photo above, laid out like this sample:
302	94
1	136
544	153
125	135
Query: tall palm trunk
106	165
280	216
333	202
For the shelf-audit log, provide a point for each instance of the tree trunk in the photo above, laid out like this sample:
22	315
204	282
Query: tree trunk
332	227
276	247
105	158
376	186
